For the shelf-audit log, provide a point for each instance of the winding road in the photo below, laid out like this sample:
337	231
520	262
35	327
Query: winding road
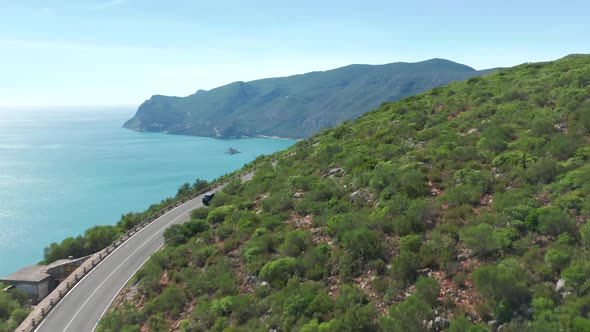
81	309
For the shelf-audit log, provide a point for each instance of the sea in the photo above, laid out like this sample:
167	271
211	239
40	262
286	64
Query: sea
63	170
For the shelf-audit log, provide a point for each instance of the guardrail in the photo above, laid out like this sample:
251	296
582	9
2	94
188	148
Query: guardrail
48	303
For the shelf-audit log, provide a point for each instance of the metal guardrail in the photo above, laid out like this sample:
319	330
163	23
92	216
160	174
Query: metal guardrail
42	309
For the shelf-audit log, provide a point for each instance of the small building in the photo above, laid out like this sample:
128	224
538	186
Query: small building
39	280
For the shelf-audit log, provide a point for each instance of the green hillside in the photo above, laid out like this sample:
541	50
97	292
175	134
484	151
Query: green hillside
296	106
460	209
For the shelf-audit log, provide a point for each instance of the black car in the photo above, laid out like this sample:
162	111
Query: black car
207	198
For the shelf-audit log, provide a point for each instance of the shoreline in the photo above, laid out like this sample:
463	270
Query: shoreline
221	137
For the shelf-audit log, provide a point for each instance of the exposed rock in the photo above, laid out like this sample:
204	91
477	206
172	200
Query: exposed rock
298	194
494	324
362	197
464	254
335	171
560	285
561	127
231	151
441	323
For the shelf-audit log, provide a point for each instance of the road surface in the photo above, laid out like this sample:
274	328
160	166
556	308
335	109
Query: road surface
81	309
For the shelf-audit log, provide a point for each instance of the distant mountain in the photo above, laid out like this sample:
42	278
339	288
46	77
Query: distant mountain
295	106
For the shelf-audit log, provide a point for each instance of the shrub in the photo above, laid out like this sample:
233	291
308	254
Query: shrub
502	288
278	202
462	324
315	262
170	301
411	243
279	271
549	220
576	277
363	244
174	235
427	289
219	214
556	259
481	239
543	171
408	315
296	242
200	213
555	222
405	267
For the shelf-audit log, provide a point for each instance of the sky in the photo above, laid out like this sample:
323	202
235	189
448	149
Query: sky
120	52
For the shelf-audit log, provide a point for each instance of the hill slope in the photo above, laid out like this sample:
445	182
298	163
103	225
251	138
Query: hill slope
296	106
466	205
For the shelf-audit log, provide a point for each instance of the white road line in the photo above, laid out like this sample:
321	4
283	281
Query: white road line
79	282
115	270
122	286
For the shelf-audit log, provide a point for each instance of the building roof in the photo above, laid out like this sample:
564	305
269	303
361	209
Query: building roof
31	273
38	273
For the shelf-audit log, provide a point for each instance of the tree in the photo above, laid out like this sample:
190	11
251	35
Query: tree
184	190
200	185
99	237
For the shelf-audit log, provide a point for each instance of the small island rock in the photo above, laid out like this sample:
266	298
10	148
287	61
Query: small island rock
231	151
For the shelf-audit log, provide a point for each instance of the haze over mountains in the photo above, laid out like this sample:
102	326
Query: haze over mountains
295	106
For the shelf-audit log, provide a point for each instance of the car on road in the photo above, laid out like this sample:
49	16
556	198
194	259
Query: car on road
207	198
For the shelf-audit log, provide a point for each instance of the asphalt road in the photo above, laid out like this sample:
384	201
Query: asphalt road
87	302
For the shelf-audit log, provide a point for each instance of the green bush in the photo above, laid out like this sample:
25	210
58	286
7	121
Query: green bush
482	239
170	301
576	277
279	271
296	242
543	171
557	259
549	220
363	244
200	213
409	315
427	290
219	214
502	287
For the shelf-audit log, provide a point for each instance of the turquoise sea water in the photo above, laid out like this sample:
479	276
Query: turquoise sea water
64	170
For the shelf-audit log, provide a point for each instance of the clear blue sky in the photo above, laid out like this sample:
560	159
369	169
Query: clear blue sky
88	52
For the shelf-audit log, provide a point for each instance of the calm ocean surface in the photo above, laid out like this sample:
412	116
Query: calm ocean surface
64	170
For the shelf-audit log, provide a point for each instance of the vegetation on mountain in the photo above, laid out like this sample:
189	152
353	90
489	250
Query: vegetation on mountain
14	308
461	209
296	106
